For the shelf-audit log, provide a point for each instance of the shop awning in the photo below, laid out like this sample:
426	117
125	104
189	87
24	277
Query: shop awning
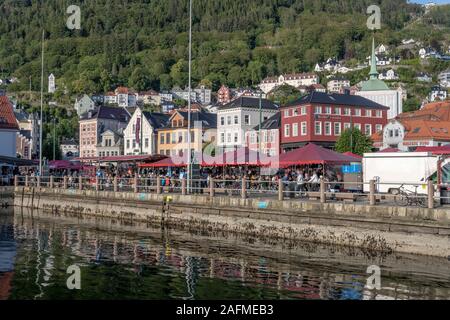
313	154
165	163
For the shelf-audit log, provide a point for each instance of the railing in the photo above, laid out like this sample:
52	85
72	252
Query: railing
373	192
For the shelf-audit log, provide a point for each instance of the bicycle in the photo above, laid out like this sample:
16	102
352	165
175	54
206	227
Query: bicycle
408	198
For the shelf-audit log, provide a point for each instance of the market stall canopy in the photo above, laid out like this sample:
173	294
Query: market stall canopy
165	163
64	165
442	150
314	154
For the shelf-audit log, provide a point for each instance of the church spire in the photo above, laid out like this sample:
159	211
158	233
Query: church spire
373	66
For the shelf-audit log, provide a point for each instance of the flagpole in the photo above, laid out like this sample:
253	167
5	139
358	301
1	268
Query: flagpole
42	103
189	164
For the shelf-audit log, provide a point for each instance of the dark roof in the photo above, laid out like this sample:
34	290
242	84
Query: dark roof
21	115
336	99
7	117
273	122
107	112
249	102
69	142
157	120
209	120
26	134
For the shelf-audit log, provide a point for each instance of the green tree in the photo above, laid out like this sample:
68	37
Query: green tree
353	140
140	79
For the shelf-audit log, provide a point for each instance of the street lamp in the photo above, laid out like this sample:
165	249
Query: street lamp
189	160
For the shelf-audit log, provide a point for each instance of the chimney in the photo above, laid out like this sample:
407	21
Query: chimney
89	114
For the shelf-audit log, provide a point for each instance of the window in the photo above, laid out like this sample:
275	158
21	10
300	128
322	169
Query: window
228	120
327	110
167	138
192	136
134	143
304	130
347	126
396	133
368	113
134	128
222	137
358	112
174	138
229	137
368	129
252	137
317	110
378	127
161	138
318	128
358	126
222	121
295	112
236	120
337	111
286	113
146	142
303	111
236	137
391	133
287	130
328	128
379	114
347	111
337	128
295	130
247	119
180	137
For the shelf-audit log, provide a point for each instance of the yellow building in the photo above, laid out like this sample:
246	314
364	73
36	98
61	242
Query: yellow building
173	139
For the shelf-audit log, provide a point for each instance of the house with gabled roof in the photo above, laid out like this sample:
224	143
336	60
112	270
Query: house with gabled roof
140	135
8	128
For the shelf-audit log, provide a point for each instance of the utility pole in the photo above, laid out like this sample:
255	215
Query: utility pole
42	104
260	124
54	138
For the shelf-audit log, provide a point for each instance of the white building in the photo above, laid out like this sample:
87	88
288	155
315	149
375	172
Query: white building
238	117
122	96
438	93
69	149
111	144
84	104
444	78
424	77
294	80
331	65
377	91
336	84
388	75
201	95
51	83
140	135
8	129
381	49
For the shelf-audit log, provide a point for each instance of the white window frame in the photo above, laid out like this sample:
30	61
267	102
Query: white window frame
339	131
303	110
328	124
304	128
319	132
295	129
287	130
368	125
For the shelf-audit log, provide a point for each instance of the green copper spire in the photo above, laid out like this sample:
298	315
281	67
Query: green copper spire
373	68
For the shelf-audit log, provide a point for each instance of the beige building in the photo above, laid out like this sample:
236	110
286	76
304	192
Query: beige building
173	139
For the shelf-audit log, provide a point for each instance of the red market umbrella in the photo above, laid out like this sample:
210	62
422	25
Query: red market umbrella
351	154
313	154
165	163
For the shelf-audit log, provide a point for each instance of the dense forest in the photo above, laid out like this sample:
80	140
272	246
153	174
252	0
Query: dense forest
143	43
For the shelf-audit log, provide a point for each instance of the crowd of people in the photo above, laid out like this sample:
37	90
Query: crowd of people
297	181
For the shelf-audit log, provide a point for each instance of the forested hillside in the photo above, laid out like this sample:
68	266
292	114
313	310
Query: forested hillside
143	43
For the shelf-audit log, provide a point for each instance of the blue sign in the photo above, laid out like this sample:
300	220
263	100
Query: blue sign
262	205
354	168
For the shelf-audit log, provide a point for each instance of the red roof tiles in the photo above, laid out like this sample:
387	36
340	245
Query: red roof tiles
7	118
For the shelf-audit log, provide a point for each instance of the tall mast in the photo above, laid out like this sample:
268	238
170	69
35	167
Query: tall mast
42	105
189	160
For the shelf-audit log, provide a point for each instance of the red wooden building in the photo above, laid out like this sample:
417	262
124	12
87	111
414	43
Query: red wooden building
321	118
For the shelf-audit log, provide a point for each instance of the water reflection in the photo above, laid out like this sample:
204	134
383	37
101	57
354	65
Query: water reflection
123	261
